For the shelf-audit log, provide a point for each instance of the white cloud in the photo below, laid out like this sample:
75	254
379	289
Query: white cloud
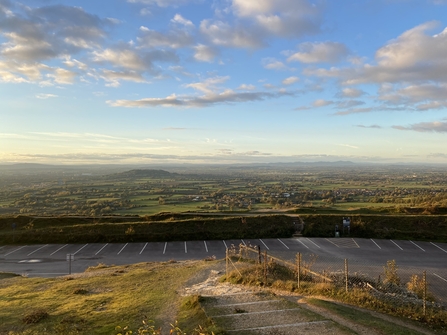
273	64
181	20
205	53
350	92
290	80
436	126
226	96
245	87
173	39
124	58
235	36
322	103
321	52
44	96
209	85
281	18
161	3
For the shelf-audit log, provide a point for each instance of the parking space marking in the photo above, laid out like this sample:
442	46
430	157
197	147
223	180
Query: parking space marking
164	249
58	249
2	247
264	244
440	277
376	244
437	246
225	244
206	247
105	245
143	248
397	245
37	250
186	249
313	243
9	253
80	249
417	246
283	243
122	248
243	243
303	243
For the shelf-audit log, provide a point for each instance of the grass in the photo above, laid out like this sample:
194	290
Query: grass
363	318
96	303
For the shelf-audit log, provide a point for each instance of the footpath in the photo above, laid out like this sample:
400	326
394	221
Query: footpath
243	310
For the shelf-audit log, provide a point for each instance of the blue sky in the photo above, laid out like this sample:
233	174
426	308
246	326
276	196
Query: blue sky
223	81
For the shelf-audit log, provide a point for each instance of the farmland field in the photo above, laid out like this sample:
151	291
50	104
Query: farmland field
127	190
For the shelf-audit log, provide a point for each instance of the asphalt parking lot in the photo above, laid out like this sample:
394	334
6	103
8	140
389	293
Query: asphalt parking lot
51	259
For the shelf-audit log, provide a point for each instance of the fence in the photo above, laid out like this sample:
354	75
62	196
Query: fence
424	290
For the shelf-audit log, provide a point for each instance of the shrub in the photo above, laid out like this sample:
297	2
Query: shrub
35	316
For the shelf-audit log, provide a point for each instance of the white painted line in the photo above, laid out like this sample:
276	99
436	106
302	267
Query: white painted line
283	243
225	244
243	243
122	248
264	244
37	250
58	250
9	253
80	249
164	250
186	249
440	277
303	243
2	247
438	247
332	242
396	245
105	245
143	248
206	247
417	246
313	243
376	244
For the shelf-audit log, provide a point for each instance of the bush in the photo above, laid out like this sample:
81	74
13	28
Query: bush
35	316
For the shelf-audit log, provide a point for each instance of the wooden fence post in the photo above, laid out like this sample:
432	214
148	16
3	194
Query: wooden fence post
425	294
346	274
226	264
265	267
298	265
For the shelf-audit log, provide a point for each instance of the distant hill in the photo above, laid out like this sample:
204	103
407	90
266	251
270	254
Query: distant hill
145	173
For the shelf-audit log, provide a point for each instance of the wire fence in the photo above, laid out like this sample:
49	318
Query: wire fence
423	289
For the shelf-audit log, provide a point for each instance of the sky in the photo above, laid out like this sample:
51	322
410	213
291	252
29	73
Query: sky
223	81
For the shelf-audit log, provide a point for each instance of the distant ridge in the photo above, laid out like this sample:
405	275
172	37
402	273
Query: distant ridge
145	173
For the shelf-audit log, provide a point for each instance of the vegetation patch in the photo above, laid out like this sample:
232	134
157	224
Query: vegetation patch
35	316
143	292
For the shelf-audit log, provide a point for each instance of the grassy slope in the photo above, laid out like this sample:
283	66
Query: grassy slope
95	304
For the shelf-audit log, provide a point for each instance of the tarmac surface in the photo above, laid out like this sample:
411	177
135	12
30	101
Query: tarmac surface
51	259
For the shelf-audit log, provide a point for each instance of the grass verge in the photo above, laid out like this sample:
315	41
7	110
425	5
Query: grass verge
98	301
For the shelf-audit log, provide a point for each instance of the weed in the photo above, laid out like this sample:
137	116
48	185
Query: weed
35	316
80	291
391	275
